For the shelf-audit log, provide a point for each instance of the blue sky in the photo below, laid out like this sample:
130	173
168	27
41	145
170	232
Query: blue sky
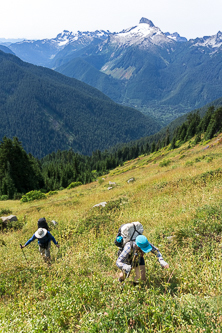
38	19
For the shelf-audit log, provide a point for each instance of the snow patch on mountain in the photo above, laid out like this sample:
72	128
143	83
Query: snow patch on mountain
176	37
67	37
142	35
213	42
63	38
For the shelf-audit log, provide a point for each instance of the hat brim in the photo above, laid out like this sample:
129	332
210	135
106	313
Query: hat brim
40	236
145	249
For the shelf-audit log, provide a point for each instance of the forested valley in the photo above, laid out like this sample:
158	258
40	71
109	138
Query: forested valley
21	172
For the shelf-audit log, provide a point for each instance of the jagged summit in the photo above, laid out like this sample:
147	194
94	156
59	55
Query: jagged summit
144	35
65	33
145	20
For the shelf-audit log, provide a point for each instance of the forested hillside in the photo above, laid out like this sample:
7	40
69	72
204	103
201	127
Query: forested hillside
21	172
48	111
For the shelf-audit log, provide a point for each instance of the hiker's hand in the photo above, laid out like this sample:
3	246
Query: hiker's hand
127	268
57	245
163	263
22	246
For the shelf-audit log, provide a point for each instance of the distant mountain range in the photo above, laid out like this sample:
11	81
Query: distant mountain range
48	111
56	51
44	52
163	75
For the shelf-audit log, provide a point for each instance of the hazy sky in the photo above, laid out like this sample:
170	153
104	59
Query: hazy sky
38	19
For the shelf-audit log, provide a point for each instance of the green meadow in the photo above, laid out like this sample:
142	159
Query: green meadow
176	195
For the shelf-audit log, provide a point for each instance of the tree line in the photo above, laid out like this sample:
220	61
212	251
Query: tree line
21	172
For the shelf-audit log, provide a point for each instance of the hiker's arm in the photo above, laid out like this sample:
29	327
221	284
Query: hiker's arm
156	251
120	263
53	239
30	240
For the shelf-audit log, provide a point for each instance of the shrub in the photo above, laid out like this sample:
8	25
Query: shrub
4	197
115	205
51	193
100	180
209	159
11	225
74	184
206	142
5	211
17	196
189	163
164	163
33	195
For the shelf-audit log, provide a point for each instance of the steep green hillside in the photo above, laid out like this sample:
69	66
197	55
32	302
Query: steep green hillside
176	195
87	73
48	111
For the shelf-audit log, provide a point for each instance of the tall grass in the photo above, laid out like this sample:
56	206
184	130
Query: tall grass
79	291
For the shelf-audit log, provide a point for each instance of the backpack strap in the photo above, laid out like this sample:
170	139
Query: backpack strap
135	230
131	252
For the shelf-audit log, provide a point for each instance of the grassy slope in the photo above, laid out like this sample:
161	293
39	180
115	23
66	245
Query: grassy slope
79	292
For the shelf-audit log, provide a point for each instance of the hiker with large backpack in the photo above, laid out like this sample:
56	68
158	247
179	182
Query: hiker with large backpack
133	245
44	239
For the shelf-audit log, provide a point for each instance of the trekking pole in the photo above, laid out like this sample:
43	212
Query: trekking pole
128	273
23	252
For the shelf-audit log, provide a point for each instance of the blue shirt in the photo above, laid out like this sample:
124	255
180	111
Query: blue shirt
47	238
123	259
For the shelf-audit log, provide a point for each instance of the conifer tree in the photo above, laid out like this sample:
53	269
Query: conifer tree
167	137
215	124
206	120
18	172
153	147
173	143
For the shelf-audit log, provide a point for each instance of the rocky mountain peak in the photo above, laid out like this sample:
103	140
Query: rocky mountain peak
175	36
64	34
145	20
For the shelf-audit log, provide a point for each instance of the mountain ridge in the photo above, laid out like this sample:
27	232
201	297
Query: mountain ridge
161	77
66	37
160	74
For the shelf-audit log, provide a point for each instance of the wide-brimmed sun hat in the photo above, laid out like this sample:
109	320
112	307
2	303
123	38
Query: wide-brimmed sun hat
143	244
40	233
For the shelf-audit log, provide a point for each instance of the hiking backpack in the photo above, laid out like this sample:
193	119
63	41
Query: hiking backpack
43	224
128	233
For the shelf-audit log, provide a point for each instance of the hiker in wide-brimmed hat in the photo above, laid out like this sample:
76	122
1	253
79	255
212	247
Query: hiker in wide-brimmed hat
44	241
132	257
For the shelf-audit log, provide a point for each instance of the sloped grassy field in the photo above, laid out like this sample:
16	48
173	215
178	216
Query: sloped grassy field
175	193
